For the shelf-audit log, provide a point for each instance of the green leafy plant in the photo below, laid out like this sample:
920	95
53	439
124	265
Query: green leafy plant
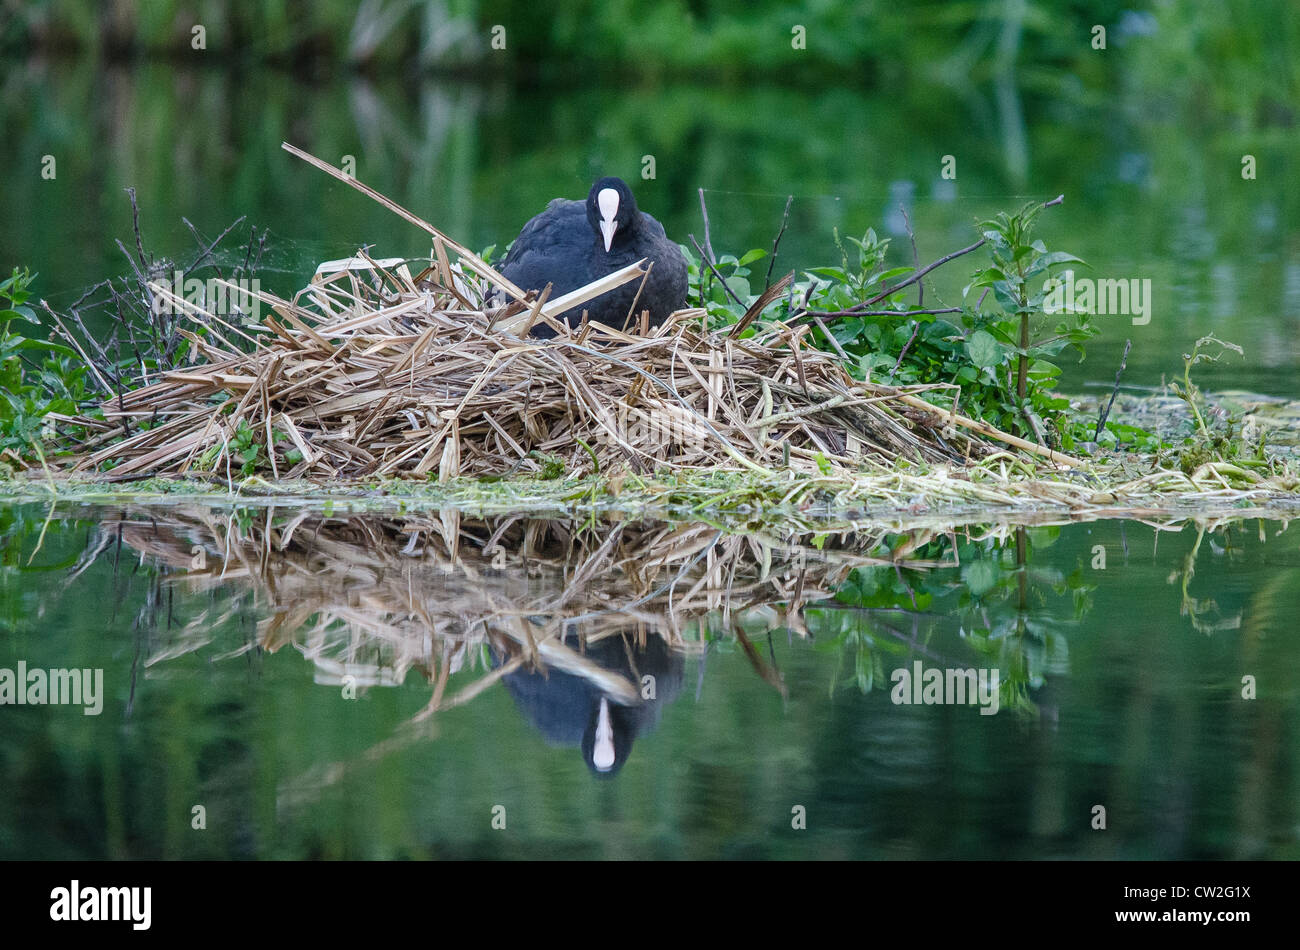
37	376
246	449
993	592
1003	340
864	311
1218	440
705	290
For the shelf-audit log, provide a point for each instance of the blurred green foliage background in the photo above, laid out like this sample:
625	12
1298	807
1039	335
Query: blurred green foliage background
1145	137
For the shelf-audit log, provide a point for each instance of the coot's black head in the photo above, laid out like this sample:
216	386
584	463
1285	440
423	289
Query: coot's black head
612	211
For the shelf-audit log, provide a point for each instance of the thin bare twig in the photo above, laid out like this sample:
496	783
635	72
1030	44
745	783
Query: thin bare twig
731	293
785	219
858	308
878	313
704	212
916	328
916	259
1123	362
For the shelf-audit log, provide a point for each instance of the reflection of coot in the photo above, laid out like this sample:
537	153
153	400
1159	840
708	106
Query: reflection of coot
571	710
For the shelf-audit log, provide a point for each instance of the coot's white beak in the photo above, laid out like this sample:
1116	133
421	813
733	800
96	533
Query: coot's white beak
607	202
602	756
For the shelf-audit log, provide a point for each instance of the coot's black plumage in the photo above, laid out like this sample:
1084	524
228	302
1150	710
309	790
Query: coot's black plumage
572	243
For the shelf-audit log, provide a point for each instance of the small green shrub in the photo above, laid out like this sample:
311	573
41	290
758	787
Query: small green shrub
37	376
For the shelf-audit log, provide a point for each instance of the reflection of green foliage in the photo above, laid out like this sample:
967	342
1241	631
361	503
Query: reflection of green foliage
991	576
1204	612
844	634
238	733
1023	635
882	587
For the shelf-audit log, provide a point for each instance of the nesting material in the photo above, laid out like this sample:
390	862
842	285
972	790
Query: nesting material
372	371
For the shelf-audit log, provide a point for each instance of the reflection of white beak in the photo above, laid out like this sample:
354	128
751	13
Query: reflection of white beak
602	756
607	202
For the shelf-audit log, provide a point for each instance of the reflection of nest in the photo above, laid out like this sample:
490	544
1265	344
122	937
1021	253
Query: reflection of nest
372	597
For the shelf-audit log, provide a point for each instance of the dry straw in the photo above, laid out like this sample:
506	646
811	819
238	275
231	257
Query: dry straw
372	371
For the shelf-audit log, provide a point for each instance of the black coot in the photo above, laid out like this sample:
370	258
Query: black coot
572	243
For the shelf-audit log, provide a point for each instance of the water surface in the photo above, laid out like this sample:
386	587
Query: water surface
390	685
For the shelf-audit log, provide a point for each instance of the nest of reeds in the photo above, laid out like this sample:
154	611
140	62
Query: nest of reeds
372	371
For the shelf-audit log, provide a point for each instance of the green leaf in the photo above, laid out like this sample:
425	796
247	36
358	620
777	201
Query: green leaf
940	330
1006	295
887	275
1045	261
739	286
750	256
987	277
984	350
995	238
833	273
46	345
20	313
1060	257
847	329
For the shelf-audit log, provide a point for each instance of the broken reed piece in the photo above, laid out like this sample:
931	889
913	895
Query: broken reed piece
472	260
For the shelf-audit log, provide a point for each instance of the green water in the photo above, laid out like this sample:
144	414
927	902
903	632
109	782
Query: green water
1120	685
1147	148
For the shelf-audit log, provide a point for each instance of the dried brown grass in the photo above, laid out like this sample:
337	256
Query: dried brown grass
371	371
397	375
